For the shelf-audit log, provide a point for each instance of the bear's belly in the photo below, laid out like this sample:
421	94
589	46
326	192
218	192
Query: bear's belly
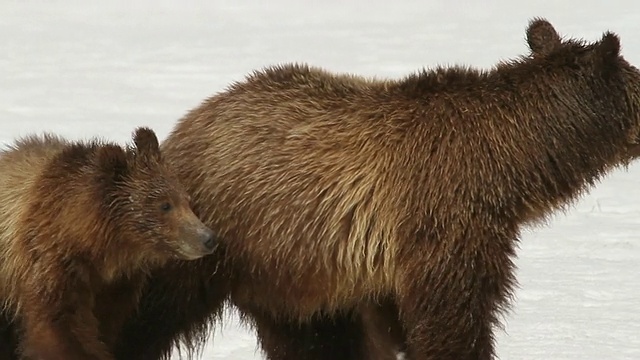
300	292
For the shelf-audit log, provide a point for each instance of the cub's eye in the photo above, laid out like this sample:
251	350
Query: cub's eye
165	207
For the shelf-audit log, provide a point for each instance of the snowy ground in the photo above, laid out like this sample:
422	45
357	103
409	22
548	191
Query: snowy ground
81	70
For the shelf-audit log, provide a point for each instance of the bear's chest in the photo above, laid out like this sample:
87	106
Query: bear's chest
115	303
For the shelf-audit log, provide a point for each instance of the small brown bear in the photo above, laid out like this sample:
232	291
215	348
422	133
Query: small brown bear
338	196
81	223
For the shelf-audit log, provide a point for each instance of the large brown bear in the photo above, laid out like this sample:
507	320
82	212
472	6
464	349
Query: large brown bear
334	192
80	225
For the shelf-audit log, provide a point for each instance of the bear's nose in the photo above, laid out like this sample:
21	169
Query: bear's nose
208	239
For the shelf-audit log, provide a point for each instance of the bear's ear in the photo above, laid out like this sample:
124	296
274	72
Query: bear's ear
112	162
146	143
542	38
608	48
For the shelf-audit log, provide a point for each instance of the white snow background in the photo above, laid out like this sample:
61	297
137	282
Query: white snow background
86	68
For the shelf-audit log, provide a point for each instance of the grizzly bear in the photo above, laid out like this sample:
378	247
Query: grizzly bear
81	224
338	196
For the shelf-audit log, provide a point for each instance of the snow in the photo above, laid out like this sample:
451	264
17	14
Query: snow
102	68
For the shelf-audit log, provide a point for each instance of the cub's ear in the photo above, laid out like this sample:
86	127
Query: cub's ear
542	38
146	143
112	162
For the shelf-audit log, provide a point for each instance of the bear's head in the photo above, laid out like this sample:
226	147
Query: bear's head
611	84
148	207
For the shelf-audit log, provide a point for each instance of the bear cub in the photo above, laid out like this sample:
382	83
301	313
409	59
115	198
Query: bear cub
81	224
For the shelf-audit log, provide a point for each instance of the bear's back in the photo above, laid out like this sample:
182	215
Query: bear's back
20	165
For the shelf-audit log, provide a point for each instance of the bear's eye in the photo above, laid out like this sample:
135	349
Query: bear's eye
165	207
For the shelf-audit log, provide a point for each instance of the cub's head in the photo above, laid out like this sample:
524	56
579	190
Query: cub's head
148	207
612	84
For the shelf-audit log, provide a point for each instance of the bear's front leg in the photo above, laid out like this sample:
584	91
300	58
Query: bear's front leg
58	323
450	295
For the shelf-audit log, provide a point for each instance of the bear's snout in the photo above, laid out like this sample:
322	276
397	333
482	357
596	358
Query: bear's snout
195	239
208	238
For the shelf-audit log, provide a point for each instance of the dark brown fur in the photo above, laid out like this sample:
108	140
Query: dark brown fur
82	223
384	336
333	192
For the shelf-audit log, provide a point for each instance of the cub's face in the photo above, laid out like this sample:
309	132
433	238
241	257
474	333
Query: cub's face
160	216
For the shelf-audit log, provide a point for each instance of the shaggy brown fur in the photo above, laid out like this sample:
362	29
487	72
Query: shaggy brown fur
80	224
333	191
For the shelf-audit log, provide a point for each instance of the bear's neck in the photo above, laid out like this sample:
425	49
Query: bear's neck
116	264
